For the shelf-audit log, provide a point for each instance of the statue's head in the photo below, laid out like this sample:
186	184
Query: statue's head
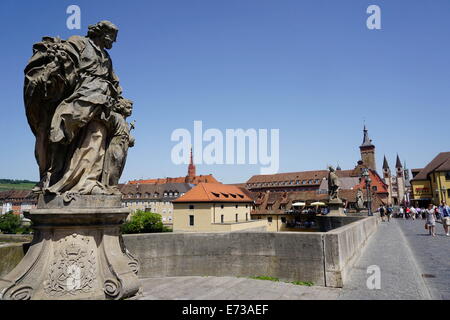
105	32
331	168
124	107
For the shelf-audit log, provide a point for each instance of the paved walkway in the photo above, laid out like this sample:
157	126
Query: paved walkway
401	277
230	288
401	249
432	255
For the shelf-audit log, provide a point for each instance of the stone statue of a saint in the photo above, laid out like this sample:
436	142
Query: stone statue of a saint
359	199
333	185
75	108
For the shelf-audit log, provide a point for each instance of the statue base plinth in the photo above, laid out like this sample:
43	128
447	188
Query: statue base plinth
336	208
76	254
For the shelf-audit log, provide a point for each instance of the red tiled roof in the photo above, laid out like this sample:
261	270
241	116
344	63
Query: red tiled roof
195	180
440	163
214	192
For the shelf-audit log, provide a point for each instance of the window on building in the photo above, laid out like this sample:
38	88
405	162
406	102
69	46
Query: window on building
283	219
191	220
221	218
221	206
236	206
246	215
237	217
269	219
448	193
374	188
447	176
191	207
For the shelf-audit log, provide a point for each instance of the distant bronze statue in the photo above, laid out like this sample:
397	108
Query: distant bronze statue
333	184
75	108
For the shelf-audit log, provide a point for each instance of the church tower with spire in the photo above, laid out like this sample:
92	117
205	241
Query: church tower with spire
368	151
191	170
400	180
387	179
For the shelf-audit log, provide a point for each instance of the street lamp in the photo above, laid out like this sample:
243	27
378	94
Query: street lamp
365	175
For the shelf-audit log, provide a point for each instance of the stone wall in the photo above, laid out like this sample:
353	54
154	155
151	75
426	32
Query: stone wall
325	258
322	258
288	256
10	256
343	246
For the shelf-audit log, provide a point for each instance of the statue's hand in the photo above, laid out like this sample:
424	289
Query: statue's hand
131	141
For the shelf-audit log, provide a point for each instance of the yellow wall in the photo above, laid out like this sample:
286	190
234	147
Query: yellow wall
442	183
207	217
276	224
417	189
435	184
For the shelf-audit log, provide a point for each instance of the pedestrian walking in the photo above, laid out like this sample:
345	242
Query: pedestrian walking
382	213
445	217
390	211
413	212
430	224
419	213
407	212
401	213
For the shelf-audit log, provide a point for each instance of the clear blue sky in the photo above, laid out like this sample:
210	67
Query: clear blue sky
310	68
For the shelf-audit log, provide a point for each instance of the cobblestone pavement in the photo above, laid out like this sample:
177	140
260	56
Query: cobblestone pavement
400	275
432	255
230	288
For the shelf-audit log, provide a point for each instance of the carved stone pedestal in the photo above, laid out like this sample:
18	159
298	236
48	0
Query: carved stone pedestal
336	208
76	253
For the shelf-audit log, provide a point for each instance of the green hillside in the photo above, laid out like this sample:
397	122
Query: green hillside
9	184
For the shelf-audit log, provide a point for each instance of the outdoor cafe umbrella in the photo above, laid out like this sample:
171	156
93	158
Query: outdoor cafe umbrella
299	204
318	204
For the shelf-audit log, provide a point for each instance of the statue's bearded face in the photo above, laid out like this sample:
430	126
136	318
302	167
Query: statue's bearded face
109	37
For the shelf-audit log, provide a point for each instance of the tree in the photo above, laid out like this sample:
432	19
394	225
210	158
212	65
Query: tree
144	222
10	223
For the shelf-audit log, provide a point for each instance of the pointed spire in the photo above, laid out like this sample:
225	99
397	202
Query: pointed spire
398	163
191	168
385	163
366	140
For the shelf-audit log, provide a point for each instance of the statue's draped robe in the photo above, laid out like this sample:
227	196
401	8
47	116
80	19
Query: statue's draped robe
72	150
